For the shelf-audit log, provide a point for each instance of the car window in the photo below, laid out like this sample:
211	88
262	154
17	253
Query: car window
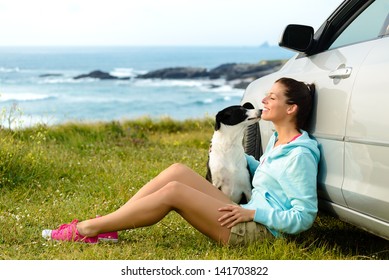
367	26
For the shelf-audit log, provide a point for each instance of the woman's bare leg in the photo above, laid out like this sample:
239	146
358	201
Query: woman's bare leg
196	207
183	174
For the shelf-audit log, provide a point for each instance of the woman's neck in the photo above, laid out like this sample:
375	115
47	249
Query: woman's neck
286	135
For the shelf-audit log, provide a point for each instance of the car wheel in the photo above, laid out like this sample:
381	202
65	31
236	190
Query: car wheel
252	141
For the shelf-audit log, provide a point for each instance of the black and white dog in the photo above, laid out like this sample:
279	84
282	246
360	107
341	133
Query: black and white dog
227	165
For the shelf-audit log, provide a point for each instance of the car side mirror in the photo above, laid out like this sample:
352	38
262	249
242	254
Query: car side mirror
297	38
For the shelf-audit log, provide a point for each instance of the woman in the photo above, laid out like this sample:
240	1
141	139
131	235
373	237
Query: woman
284	196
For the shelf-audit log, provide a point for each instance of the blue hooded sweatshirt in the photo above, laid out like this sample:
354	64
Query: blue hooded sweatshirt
284	194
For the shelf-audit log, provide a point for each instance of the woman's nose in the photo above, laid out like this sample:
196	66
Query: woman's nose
264	100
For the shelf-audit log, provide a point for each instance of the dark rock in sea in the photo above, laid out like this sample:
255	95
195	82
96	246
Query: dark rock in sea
50	75
234	71
176	73
239	75
97	74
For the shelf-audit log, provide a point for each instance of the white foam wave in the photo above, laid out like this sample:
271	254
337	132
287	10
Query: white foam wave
9	70
126	72
203	85
64	80
4	97
168	83
57	80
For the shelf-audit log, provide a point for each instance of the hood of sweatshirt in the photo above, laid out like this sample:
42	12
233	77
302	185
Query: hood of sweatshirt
304	141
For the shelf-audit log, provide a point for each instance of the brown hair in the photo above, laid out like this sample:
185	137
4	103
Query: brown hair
302	95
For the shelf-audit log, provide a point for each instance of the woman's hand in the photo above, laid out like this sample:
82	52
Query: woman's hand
235	214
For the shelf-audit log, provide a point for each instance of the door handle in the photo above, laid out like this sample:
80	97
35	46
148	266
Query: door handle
341	73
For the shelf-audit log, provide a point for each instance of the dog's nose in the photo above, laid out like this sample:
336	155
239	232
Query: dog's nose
260	112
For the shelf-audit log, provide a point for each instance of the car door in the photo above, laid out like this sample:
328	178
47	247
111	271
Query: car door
366	183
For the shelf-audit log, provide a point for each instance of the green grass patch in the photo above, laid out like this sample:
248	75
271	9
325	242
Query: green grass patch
51	175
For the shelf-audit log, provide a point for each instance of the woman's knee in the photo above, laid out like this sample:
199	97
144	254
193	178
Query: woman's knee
178	168
171	192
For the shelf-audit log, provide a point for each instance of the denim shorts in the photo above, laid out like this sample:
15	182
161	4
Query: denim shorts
248	232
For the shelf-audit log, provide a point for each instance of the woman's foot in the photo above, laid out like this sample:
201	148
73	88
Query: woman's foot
69	232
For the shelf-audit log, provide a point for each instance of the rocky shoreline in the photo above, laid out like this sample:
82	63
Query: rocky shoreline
239	75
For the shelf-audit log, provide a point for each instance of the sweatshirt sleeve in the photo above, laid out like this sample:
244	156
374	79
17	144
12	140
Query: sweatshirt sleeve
298	181
252	164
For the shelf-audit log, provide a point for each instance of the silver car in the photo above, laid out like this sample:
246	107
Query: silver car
348	60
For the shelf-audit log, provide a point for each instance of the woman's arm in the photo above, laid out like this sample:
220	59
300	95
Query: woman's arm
252	164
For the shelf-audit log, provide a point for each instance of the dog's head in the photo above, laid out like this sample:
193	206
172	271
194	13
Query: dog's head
237	115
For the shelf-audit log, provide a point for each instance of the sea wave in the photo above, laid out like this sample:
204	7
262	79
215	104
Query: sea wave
207	101
64	80
9	70
94	99
15	97
126	72
203	85
167	83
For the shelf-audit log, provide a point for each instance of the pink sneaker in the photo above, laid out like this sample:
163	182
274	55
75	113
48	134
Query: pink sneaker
68	232
109	237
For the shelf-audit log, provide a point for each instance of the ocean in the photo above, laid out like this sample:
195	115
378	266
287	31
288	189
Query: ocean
37	85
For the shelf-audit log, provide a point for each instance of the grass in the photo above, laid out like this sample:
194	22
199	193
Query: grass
50	175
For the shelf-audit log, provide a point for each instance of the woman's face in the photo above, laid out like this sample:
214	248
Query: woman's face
274	104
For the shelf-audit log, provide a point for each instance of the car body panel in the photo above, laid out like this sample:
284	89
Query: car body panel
366	180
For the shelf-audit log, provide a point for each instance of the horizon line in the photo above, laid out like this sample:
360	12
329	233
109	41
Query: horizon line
266	44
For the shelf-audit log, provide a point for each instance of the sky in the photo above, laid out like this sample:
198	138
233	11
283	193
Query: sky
155	22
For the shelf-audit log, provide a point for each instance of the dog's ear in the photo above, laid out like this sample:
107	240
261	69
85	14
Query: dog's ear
248	105
217	123
219	118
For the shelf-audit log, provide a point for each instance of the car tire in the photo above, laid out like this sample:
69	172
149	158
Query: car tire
252	141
